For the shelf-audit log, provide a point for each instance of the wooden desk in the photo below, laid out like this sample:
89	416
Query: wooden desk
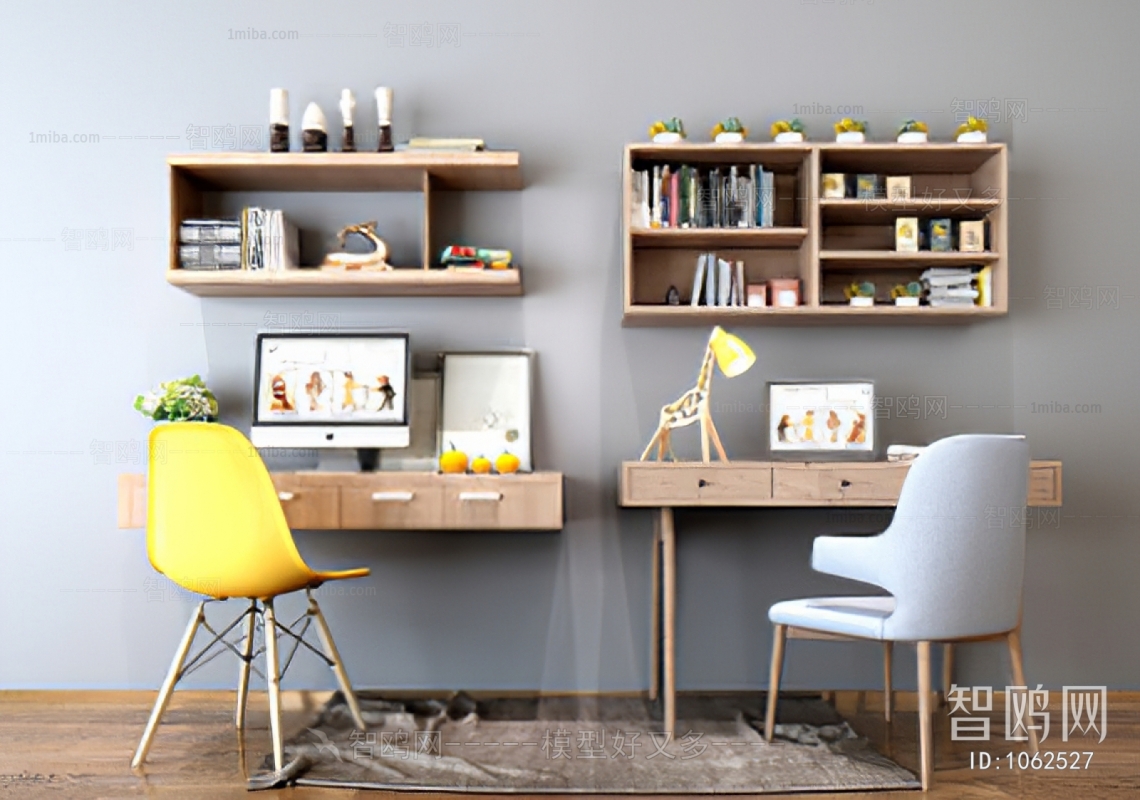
397	501
758	484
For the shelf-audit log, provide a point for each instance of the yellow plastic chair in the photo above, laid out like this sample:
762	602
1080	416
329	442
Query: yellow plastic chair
216	528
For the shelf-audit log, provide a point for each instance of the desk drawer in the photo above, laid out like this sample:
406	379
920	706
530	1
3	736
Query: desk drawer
840	484
508	502
307	507
681	484
393	502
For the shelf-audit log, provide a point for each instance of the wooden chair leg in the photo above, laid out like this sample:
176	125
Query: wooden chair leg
243	669
337	665
273	678
947	672
925	727
167	689
888	684
779	636
1013	639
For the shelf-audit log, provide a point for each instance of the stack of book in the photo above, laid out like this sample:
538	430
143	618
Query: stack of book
952	287
261	240
686	197
718	282
449	145
209	244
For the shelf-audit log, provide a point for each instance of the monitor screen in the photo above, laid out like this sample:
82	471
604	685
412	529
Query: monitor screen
834	417
332	379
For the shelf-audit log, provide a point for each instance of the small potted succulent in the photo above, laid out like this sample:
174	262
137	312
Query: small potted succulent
913	131
729	131
860	295
668	131
851	131
906	295
787	131
183	400
972	131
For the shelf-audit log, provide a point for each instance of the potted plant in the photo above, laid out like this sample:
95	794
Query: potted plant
851	131
912	131
182	400
860	295
668	131
787	131
729	131
972	131
906	295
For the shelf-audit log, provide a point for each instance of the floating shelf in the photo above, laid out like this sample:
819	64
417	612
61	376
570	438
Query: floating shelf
880	210
719	237
891	258
405	282
680	316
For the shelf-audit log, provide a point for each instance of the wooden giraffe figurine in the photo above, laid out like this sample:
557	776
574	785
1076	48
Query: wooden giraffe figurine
692	406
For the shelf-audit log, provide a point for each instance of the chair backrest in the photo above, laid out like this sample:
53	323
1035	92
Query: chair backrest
954	554
214	521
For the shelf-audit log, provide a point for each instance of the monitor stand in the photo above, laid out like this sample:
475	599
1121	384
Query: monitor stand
344	459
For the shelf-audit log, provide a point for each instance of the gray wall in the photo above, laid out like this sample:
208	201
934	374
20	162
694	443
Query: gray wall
568	85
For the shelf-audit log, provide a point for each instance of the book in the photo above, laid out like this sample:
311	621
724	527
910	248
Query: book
710	279
431	143
655	198
674	199
986	286
740	285
723	282
766	202
698	279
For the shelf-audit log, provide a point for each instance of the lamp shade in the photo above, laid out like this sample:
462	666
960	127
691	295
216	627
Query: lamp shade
733	356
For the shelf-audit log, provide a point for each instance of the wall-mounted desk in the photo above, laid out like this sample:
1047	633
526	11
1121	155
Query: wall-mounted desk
758	484
397	501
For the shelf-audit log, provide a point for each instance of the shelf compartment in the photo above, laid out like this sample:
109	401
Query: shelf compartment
402	171
888	158
851	211
777	157
862	259
403	282
712	238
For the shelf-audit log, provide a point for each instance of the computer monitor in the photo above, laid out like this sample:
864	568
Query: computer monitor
331	390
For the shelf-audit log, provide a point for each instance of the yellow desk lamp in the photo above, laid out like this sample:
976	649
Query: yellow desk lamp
734	358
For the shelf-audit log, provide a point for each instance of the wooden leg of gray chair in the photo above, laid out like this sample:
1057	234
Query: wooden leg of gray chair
888	684
273	678
947	672
167	689
243	670
337	665
779	636
925	727
1013	638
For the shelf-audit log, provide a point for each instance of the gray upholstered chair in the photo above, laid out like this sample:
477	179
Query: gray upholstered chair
953	574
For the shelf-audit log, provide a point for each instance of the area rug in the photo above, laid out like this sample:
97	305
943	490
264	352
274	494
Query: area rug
583	746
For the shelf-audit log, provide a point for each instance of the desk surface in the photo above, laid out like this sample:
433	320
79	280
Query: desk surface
677	484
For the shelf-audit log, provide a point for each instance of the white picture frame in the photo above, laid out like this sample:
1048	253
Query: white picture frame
486	404
824	419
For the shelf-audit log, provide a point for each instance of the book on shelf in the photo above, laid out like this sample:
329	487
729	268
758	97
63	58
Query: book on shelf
699	279
717	282
269	241
684	196
450	144
958	287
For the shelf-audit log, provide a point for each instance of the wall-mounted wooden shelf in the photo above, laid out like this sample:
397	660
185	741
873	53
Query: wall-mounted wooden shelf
193	176
826	243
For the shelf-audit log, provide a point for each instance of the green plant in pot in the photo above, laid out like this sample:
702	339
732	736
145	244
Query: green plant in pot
182	400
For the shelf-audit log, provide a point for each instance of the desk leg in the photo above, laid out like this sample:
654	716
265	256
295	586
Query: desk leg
669	587
655	623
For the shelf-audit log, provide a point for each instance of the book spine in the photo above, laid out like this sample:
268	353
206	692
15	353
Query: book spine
674	199
655	200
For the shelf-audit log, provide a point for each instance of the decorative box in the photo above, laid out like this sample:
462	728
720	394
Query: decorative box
834	185
757	295
940	240
866	187
785	292
906	234
898	187
972	236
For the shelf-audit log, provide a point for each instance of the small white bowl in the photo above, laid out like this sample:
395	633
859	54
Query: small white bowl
850	137
729	137
972	137
788	137
666	137
912	137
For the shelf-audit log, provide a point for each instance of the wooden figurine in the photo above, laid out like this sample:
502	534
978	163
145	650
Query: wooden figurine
278	121
384	118
733	357
314	133
376	260
347	107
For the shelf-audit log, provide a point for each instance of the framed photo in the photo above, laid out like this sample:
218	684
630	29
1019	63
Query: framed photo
486	404
821	420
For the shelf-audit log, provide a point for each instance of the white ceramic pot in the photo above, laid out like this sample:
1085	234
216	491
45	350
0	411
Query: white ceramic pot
912	137
666	137
850	137
862	302
972	137
789	137
729	137
906	302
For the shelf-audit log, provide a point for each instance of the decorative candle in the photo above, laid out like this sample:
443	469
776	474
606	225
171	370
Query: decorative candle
314	137
278	121
347	106
384	115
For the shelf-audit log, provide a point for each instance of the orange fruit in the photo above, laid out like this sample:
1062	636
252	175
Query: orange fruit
481	465
507	463
453	462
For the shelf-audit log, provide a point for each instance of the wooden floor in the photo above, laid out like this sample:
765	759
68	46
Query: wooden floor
78	745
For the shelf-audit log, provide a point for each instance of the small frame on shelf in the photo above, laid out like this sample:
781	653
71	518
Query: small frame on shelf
486	407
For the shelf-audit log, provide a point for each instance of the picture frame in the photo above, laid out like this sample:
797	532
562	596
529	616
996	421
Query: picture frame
486	402
821	420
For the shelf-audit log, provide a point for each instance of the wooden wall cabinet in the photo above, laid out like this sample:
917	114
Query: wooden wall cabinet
825	243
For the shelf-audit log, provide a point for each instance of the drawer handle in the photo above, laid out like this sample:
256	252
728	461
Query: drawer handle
393	497
702	483
491	497
843	484
285	497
